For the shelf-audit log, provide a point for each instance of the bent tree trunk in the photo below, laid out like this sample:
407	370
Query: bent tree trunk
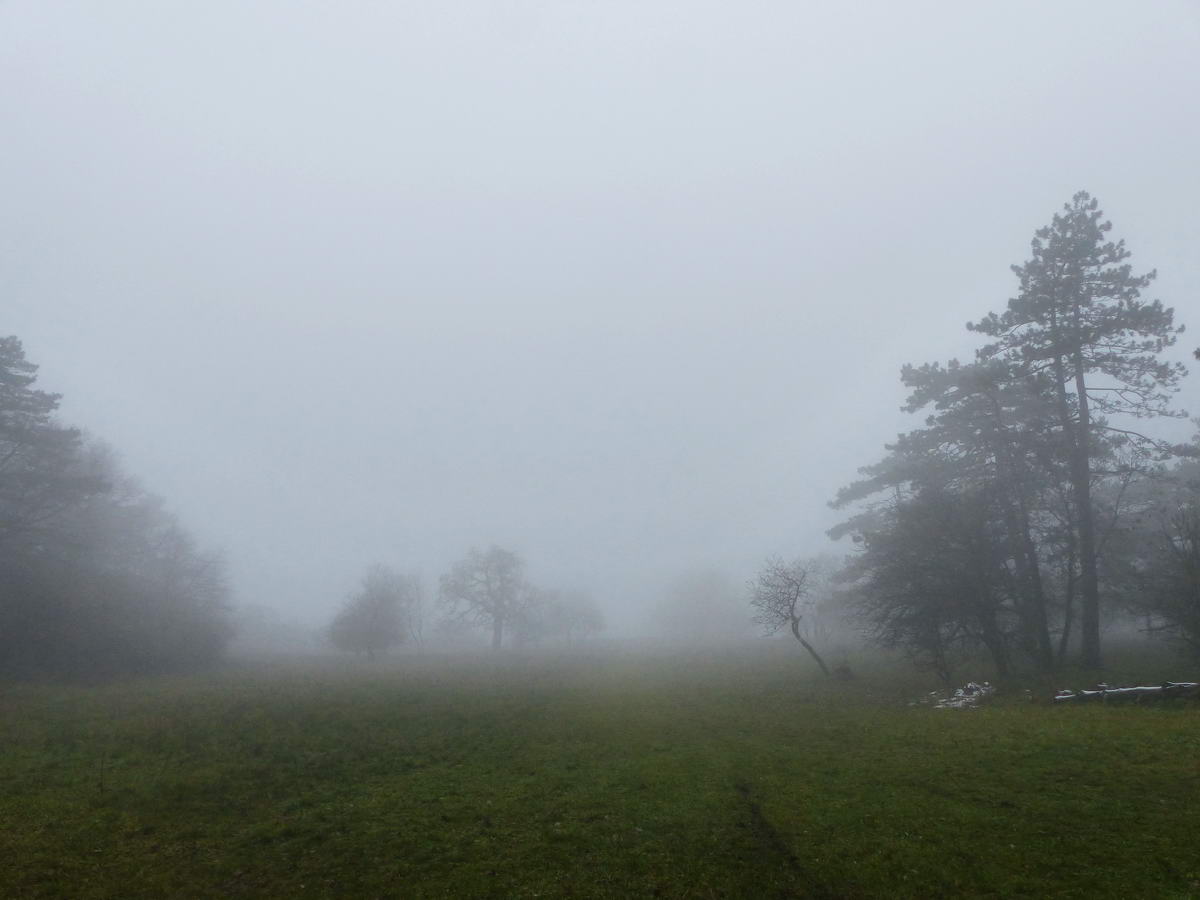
809	647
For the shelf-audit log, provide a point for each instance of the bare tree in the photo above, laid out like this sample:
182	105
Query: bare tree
485	588
702	606
583	619
780	594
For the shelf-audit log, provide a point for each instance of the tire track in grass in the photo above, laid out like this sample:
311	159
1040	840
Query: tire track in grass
776	851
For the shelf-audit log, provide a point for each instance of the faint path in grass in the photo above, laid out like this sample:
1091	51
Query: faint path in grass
776	852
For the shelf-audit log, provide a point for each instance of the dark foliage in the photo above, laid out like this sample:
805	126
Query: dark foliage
377	617
96	577
991	524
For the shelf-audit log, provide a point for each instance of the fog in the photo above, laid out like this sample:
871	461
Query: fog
622	287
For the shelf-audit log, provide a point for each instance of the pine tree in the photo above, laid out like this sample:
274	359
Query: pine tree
39	476
977	460
1079	319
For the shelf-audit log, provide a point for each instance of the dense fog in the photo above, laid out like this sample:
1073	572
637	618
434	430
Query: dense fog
367	292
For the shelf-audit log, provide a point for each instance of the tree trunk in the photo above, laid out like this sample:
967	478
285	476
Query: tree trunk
1033	615
1089	581
1079	465
1069	603
497	631
994	641
1041	623
985	605
1032	611
809	647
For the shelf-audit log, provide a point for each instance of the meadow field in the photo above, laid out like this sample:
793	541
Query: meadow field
715	774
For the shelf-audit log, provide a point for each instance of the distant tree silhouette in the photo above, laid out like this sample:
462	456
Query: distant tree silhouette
96	577
372	620
486	588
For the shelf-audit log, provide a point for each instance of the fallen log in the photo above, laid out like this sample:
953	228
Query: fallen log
1168	690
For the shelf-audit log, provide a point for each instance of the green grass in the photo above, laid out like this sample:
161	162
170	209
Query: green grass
626	776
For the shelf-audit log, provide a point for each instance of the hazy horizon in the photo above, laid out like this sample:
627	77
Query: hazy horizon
624	288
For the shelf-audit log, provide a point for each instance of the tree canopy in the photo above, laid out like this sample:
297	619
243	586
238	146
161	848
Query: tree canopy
378	616
486	588
96	576
988	525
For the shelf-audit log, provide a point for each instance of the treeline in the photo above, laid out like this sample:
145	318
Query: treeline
1036	501
484	592
96	577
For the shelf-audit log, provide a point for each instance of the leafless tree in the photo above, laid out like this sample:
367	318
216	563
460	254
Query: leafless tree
780	594
485	588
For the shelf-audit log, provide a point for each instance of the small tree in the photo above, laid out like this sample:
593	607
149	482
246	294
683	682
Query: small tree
372	620
582	618
780	594
702	606
414	608
539	616
486	589
1175	589
1162	550
571	617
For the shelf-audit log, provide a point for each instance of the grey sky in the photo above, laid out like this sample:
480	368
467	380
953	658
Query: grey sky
624	286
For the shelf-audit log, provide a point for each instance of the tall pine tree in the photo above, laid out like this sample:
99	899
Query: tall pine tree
1080	320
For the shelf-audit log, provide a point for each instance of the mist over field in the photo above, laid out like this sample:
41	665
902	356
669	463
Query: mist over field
624	288
599	449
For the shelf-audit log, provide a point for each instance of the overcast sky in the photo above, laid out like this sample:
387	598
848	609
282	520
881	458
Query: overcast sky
624	286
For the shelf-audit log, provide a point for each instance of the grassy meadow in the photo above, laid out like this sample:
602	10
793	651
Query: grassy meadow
701	775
